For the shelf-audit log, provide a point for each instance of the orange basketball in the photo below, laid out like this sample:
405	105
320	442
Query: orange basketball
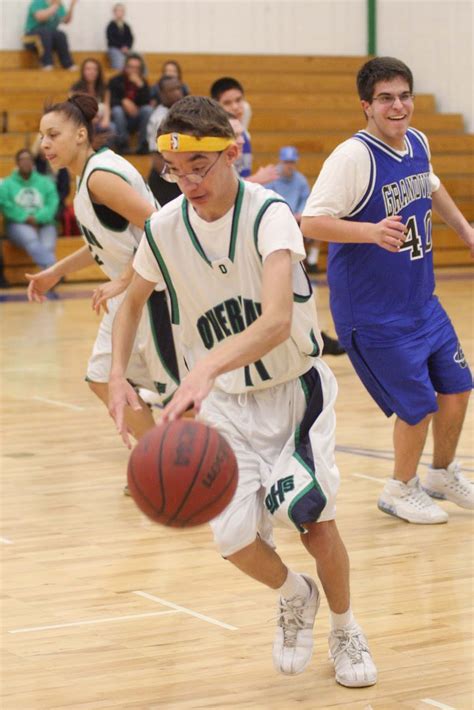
182	474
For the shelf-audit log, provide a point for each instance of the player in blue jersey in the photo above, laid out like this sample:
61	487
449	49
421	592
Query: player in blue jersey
373	202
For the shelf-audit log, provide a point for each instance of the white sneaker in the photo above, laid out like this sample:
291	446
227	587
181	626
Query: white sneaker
293	644
409	502
350	654
450	484
47	67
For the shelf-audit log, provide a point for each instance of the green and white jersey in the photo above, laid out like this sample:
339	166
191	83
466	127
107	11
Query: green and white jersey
111	239
213	273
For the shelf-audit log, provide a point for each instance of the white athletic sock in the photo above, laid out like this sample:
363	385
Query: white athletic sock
294	584
339	621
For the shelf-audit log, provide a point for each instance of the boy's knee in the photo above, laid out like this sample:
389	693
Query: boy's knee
320	537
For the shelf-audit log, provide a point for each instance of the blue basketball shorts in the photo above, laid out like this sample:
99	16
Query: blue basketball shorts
404	367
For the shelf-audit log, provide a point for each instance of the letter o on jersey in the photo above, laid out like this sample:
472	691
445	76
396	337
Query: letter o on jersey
205	332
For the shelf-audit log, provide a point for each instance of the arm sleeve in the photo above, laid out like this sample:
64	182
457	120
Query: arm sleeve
111	33
47	212
341	183
145	263
128	36
143	95
278	229
116	89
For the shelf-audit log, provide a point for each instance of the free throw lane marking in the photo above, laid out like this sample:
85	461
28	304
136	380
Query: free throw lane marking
209	619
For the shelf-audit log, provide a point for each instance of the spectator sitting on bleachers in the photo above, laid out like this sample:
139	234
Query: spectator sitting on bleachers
230	94
171	91
130	101
29	202
42	33
169	68
263	174
291	184
119	38
294	188
92	82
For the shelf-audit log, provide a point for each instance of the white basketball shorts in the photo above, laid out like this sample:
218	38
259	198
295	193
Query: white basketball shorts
284	439
153	363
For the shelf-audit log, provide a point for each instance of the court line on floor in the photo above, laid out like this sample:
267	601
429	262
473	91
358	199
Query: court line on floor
389	452
56	403
196	614
369	478
436	704
384	456
6	541
88	622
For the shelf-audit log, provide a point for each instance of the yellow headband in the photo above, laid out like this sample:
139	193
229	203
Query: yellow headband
183	143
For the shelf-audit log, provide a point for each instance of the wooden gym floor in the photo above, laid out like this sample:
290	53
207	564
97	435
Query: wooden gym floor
102	610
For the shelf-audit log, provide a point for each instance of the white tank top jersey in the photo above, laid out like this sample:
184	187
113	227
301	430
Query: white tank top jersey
213	274
111	239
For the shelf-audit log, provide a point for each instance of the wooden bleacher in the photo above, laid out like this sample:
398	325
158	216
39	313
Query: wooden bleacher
16	262
322	89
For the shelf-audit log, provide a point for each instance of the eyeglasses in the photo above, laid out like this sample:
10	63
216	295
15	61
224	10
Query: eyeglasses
196	177
389	99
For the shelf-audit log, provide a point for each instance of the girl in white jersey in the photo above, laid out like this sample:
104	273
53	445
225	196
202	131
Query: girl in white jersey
229	253
111	204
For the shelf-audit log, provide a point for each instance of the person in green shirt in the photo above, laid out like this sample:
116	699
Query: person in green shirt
29	202
43	35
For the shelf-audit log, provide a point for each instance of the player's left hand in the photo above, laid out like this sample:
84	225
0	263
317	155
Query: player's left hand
192	391
107	290
121	396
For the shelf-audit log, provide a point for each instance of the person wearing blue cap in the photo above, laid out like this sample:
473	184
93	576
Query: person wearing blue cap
291	184
294	188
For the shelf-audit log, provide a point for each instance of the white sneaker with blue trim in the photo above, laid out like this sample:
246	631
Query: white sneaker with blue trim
450	484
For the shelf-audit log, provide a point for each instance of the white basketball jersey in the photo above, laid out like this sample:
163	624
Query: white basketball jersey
112	240
213	300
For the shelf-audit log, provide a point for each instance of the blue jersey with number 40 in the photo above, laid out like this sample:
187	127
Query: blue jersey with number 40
370	285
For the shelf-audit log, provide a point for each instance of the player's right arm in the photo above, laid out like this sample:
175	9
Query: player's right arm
126	321
389	233
41	283
340	186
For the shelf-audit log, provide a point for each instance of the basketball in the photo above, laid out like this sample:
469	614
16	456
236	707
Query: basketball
182	474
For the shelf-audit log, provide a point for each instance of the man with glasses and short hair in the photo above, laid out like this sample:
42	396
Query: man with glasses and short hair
230	254
373	201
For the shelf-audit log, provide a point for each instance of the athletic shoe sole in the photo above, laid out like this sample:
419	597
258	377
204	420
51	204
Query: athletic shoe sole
391	511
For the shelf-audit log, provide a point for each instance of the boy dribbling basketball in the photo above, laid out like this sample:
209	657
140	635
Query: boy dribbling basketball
229	253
